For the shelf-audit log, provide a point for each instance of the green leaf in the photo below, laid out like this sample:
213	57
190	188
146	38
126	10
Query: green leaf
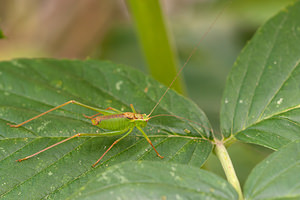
152	180
261	102
29	87
277	177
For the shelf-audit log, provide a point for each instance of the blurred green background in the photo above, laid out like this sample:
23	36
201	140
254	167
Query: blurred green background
105	30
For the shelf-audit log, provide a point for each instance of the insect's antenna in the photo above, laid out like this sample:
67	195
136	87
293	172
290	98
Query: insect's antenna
188	59
167	115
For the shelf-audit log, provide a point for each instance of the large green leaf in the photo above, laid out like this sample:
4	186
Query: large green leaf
151	180
277	177
31	86
261	102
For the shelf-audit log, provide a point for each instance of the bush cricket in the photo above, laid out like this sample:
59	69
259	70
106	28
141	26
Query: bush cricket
113	120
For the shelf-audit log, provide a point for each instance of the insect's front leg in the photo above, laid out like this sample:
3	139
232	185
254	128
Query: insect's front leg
115	142
148	140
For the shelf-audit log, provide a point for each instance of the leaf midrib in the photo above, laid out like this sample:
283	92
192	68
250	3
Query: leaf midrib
267	118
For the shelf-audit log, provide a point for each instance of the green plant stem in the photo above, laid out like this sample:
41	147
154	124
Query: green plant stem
155	41
226	163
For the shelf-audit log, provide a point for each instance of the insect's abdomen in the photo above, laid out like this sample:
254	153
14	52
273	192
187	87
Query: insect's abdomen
112	122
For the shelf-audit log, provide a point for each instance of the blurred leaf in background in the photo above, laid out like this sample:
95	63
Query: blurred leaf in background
68	29
1	34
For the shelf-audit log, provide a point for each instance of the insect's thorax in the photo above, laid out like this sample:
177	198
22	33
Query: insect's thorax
120	121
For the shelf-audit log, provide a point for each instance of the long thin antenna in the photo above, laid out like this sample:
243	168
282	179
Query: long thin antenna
191	54
182	118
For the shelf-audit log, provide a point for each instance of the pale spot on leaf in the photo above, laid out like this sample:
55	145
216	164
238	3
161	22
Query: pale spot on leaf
118	85
279	101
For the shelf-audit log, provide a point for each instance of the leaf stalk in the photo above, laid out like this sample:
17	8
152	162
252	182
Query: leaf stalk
228	168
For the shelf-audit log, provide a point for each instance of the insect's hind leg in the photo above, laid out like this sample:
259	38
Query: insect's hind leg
69	138
62	105
109	108
111	133
90	117
52	109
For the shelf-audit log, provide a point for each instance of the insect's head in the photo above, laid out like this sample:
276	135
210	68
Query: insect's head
146	117
140	119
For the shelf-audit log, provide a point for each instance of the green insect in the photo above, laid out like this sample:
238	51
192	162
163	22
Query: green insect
116	121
